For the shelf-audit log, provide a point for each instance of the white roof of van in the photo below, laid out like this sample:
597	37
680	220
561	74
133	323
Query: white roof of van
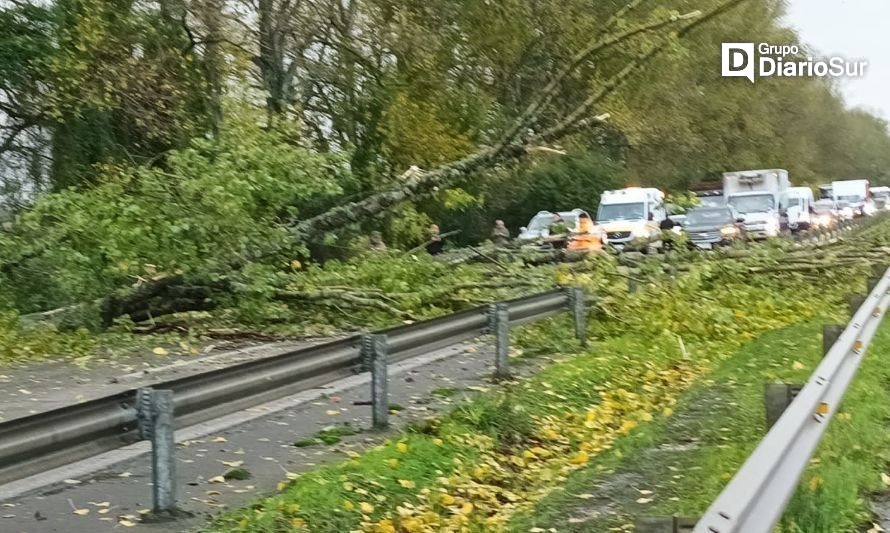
632	194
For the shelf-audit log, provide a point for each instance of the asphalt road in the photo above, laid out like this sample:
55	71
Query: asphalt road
100	496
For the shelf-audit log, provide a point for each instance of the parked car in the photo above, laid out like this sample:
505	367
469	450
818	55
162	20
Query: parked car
708	227
539	226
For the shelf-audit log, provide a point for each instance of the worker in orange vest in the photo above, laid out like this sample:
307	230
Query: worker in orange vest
585	237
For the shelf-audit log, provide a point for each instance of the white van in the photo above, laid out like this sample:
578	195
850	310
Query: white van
631	217
799	206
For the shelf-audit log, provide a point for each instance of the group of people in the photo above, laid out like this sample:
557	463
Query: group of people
434	245
559	233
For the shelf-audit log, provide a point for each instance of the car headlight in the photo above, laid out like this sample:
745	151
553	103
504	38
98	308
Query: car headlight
729	231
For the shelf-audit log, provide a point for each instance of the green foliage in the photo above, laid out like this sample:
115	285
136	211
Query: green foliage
553	183
210	205
18	344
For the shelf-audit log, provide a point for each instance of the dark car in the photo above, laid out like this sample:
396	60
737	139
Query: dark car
708	227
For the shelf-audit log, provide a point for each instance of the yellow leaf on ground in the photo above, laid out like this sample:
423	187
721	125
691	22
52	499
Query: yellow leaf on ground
160	351
447	499
217	479
402	447
816	482
628	425
126	523
406	483
580	458
797	365
348	505
885	479
218	439
81	512
393	463
366	507
644	500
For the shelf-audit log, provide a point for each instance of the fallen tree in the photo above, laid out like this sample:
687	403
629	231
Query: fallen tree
530	132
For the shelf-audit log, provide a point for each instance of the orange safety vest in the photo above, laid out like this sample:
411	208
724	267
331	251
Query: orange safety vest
584	238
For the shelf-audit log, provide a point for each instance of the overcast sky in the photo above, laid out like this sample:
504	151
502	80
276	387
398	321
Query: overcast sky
856	29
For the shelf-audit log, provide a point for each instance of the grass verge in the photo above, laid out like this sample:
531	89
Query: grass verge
678	465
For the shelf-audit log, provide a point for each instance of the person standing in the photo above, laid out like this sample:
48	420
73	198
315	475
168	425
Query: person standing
500	235
375	242
434	244
667	232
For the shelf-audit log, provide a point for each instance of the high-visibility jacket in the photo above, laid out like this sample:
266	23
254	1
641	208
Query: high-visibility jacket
585	237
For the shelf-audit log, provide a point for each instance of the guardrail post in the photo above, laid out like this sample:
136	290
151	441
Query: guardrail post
374	351
855	301
777	397
499	320
664	524
632	286
577	302
830	335
155	413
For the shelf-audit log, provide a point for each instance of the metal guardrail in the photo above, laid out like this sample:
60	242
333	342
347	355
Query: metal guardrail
755	498
43	441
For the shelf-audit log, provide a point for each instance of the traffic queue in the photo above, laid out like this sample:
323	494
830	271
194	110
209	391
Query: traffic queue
747	205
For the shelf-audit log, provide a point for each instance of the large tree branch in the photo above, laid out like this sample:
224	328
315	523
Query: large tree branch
545	96
577	117
512	145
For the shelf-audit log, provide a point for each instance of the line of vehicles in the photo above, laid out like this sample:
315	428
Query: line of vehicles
745	205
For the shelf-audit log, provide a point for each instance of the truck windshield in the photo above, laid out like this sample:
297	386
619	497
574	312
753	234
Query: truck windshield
795	202
853	198
703	217
610	212
758	203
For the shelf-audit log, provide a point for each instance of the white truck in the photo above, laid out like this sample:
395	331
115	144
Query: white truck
800	207
758	196
853	194
631	217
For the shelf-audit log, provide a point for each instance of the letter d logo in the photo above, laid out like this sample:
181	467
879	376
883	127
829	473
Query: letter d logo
738	60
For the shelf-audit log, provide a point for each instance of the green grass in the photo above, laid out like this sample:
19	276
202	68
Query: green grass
331	497
687	459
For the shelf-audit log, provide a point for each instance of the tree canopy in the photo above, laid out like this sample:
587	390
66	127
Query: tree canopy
200	137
